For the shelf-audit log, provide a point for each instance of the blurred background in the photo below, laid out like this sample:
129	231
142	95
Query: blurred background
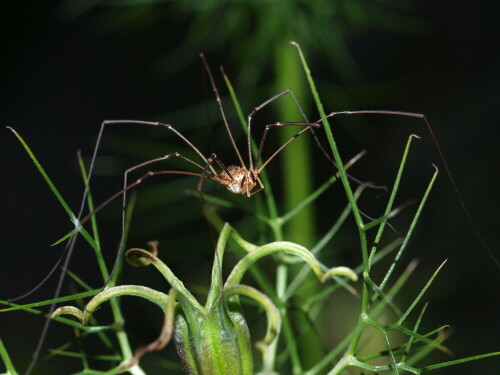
66	66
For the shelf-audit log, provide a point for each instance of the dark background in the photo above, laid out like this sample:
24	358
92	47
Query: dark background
62	76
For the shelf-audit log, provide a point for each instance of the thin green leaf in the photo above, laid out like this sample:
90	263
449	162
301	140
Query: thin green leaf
409	233
93	220
6	360
420	295
415	329
318	192
79	281
26	307
459	361
217	283
66	236
394	190
389	296
329	136
46	178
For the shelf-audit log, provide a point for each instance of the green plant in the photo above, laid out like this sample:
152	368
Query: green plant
221	320
242	29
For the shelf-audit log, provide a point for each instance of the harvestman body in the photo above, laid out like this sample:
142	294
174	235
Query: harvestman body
239	180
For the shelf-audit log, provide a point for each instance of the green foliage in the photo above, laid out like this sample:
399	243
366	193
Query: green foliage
214	338
256	34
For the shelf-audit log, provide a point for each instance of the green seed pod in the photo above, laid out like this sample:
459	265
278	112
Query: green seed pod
215	343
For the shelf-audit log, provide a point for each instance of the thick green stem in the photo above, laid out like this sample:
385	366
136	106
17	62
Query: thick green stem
296	161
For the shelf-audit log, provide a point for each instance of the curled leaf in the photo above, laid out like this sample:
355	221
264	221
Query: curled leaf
163	339
140	257
138	260
339	271
137	257
68	310
152	295
289	248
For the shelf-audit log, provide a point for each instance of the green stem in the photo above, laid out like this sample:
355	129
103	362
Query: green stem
392	197
347	188
95	230
6	360
273	247
296	161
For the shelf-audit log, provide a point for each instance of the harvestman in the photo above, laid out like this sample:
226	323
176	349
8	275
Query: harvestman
239	179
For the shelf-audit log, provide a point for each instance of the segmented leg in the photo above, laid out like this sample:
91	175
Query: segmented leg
306	125
304	116
205	174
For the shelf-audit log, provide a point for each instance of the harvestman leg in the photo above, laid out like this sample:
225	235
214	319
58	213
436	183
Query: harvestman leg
219	102
306	125
315	136
138	122
127	187
213	157
443	160
204	175
272	99
309	126
304	116
434	139
316	139
69	246
68	249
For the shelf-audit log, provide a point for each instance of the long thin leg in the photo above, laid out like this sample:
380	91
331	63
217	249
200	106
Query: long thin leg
203	176
304	116
65	256
306	125
219	102
206	174
94	155
256	191
138	122
68	250
421	116
213	157
315	136
139	181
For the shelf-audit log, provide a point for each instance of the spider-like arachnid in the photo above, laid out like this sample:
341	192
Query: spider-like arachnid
239	179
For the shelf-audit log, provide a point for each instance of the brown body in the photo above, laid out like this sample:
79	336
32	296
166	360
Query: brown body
240	180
